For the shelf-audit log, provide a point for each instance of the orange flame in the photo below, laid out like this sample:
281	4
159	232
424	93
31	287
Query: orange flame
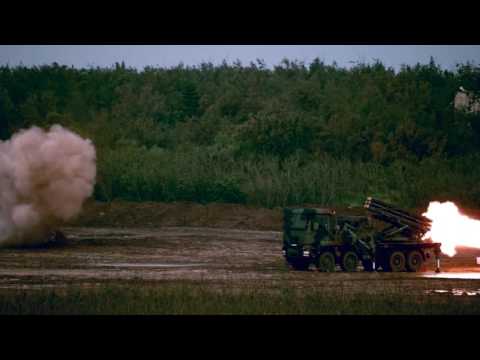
451	228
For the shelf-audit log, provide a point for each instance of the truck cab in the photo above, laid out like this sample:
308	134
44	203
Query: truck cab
304	230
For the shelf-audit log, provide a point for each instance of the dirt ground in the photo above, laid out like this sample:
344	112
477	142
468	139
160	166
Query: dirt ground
222	254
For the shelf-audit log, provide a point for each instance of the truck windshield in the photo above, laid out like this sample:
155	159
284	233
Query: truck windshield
296	222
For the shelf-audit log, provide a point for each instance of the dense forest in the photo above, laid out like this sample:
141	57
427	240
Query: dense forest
292	134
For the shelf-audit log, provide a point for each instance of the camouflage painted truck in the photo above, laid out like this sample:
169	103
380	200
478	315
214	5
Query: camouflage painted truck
385	238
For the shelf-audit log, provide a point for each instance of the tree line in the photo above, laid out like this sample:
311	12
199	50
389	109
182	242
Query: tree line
294	133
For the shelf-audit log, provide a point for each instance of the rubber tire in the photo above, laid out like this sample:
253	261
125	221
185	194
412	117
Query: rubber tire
326	262
414	261
299	265
349	262
397	261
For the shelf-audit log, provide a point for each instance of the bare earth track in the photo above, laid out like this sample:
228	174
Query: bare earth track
225	249
218	257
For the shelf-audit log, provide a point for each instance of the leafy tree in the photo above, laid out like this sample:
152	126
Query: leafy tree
369	123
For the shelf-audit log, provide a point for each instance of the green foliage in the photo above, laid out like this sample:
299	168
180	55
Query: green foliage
185	298
276	133
7	116
139	174
272	137
190	98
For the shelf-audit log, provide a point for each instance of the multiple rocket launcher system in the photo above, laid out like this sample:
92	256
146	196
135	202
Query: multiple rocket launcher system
323	238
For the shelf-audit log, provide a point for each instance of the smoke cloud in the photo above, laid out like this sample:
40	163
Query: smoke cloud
45	176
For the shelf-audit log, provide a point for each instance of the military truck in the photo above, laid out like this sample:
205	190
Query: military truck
385	238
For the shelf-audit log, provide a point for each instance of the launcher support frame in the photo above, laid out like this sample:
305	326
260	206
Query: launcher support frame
437	260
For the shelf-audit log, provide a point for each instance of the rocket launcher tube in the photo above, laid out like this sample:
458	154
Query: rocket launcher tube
398	213
396	216
399	216
377	203
399	221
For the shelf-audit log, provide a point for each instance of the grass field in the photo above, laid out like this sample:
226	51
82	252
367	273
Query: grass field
167	262
188	299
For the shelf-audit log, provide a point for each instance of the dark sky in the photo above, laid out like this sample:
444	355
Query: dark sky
139	56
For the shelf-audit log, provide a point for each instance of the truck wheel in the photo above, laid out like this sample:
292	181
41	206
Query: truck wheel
349	261
397	261
326	262
414	261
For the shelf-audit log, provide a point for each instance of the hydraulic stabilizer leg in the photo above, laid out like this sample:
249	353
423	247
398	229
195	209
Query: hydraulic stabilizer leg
437	260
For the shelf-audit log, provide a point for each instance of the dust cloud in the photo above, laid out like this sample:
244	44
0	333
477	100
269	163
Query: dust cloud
45	177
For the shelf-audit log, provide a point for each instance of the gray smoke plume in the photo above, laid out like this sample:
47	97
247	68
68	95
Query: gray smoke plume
44	179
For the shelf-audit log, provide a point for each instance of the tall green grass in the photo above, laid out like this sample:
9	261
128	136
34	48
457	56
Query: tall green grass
196	174
185	299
